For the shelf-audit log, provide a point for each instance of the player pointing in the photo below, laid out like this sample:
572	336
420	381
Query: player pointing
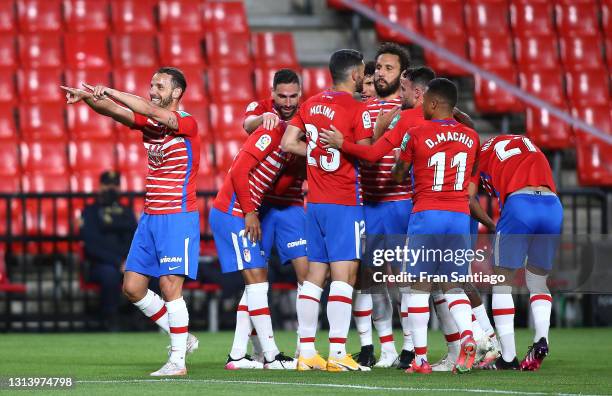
166	242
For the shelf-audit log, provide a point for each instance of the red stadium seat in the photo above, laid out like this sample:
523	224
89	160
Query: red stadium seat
136	81
8	129
196	91
577	17
338	5
490	98
42	156
39	15
598	116
606	17
86	50
40	85
228	49
546	85
134	50
8	52
274	50
531	17
39	182
85	181
131	157
547	131
9	154
134	181
403	12
133	16
42	121
40	50
7	87
84	123
455	43
75	78
487	16
315	80
264	79
199	111
10	184
230	84
8	21
86	16
594	160
226	150
536	52
442	16
181	16
208	178
491	50
226	120
181	49
588	87
581	52
228	16
609	51
91	156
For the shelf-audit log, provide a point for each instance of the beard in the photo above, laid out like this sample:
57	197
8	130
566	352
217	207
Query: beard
387	89
359	86
163	102
285	113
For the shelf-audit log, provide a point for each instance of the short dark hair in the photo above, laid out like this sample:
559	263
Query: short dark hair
445	89
420	75
342	61
395	49
178	78
370	68
285	76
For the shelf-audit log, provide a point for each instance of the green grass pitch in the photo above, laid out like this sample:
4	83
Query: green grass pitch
119	364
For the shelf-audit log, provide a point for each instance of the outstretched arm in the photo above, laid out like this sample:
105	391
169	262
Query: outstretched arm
334	139
105	107
268	120
292	141
137	105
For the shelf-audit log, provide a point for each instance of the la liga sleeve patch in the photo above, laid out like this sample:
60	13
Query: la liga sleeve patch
367	121
263	142
252	106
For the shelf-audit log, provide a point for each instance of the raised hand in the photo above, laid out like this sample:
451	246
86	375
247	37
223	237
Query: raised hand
75	95
384	119
331	138
270	121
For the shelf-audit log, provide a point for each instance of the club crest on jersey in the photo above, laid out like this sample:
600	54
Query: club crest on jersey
252	106
263	142
247	255
405	141
156	154
367	121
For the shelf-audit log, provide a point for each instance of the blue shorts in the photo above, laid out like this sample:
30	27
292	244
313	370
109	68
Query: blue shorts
283	227
236	252
474	232
385	218
529	228
443	238
334	232
166	244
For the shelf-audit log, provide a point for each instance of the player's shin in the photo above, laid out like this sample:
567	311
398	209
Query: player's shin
243	329
259	311
382	313
418	318
451	333
540	301
178	319
503	315
308	317
154	308
362	313
460	310
339	306
405	297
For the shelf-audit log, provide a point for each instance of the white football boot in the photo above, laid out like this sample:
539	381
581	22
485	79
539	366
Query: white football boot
170	369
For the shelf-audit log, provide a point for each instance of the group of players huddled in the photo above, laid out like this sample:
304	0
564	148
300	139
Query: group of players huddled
391	156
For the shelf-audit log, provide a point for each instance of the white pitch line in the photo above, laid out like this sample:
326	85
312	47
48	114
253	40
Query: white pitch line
320	385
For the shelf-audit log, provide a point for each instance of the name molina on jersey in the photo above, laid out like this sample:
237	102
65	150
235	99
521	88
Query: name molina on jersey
450	137
323	110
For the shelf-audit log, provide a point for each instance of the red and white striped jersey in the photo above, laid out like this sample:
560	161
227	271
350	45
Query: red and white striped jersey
264	147
376	181
174	158
294	194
